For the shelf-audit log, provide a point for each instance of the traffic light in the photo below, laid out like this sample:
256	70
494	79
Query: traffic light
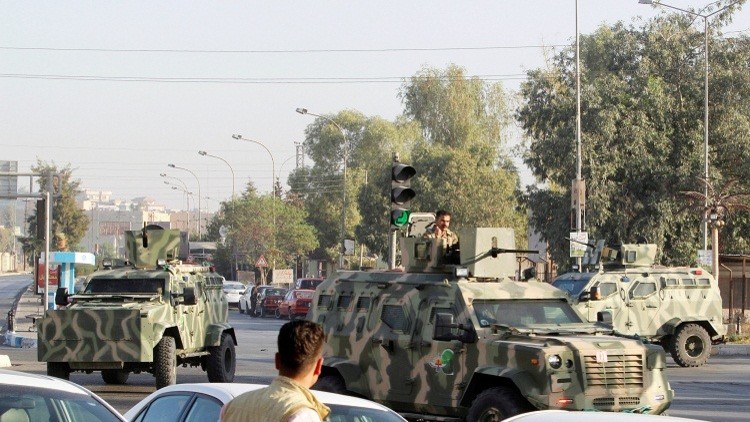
401	194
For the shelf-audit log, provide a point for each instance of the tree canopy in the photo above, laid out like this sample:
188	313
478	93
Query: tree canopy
642	131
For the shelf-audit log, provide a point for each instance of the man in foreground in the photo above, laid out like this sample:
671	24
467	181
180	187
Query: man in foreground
288	398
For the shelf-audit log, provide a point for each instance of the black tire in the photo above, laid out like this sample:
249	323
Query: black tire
691	345
165	362
331	384
496	404
58	370
115	376
222	360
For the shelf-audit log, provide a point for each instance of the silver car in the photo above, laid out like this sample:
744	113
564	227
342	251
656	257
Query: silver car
233	290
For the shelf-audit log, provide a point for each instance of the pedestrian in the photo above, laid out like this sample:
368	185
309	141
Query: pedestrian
288	398
440	229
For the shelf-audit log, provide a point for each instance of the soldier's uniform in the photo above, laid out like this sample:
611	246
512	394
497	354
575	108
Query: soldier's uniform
450	237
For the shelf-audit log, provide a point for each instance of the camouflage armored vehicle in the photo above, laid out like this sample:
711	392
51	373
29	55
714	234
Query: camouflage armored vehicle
150	315
465	342
678	308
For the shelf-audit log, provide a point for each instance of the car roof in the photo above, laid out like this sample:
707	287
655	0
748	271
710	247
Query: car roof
227	391
566	416
23	379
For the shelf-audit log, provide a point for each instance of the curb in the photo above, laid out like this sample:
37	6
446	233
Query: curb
732	350
14	340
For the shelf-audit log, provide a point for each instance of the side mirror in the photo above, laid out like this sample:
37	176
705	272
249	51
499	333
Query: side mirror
189	298
604	318
61	296
444	326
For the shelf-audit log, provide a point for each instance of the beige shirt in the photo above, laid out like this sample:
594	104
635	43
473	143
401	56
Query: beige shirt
284	400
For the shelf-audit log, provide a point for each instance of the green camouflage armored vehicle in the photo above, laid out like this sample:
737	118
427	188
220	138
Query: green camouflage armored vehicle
678	308
150	315
465	342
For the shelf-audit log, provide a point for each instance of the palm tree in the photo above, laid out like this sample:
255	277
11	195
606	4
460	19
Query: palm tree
716	207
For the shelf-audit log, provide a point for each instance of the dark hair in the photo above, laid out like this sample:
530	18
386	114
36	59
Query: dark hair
441	213
300	343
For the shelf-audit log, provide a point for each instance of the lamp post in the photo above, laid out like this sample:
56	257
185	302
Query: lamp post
705	96
199	196
187	201
343	189
165	175
273	192
205	154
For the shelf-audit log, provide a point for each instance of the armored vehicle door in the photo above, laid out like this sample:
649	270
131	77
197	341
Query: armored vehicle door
389	349
439	365
644	300
185	315
610	298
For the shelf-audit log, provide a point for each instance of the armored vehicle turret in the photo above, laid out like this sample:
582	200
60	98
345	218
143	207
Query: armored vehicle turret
149	315
453	337
677	307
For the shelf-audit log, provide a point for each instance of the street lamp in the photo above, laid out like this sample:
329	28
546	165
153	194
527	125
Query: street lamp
273	191
187	202
205	154
199	196
343	190
705	96
175	178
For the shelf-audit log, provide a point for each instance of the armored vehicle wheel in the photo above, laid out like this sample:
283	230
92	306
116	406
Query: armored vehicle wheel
331	384
691	345
58	370
496	404
222	360
165	362
115	376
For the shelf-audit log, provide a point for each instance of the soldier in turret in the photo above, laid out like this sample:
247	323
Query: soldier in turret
440	229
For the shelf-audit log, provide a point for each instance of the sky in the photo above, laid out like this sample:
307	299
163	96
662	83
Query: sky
119	90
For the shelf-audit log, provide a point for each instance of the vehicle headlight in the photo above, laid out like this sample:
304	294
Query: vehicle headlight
555	361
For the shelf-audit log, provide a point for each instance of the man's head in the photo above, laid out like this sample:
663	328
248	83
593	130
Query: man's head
300	349
442	219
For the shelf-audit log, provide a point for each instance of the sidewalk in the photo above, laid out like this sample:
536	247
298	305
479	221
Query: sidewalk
28	308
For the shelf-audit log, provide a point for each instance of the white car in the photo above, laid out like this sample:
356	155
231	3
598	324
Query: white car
565	416
233	290
203	402
29	397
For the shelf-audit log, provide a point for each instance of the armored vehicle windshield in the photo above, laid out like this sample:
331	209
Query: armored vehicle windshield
125	285
573	283
524	313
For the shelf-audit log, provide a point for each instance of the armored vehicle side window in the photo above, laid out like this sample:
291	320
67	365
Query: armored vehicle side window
344	301
394	317
607	289
688	282
363	304
704	282
324	301
670	282
125	285
643	289
439	310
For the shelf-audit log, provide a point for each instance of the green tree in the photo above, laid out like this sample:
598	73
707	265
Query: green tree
461	158
642	130
67	218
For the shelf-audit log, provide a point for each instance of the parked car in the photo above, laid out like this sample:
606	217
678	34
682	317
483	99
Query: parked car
233	290
308	283
268	301
296	303
203	402
29	397
246	300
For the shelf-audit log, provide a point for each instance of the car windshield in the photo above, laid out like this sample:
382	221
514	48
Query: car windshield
573	283
234	286
524	313
308	283
303	294
125	285
19	402
276	292
342	413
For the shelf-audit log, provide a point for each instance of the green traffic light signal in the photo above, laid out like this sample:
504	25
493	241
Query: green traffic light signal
399	218
401	193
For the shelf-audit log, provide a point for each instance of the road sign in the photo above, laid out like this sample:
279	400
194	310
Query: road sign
261	262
